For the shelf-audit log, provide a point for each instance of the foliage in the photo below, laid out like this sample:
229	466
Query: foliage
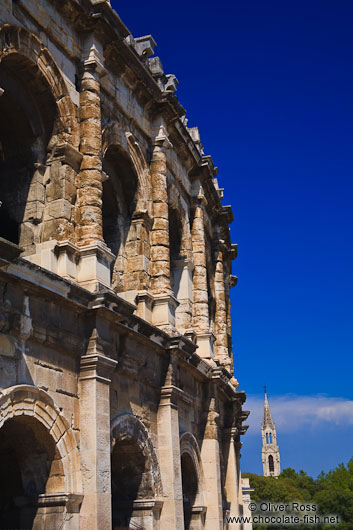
331	492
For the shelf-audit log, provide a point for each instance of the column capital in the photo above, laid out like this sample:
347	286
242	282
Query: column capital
97	366
93	60
213	420
161	138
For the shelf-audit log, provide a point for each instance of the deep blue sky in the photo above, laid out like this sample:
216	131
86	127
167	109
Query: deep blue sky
270	85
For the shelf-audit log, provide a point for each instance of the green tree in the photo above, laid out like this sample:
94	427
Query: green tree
332	492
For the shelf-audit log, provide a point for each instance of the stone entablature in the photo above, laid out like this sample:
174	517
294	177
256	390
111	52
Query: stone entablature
105	390
120	194
115	272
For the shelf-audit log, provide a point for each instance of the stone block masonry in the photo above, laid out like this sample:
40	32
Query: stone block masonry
119	406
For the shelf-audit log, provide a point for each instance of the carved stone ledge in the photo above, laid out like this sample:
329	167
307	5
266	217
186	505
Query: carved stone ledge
98	367
72	501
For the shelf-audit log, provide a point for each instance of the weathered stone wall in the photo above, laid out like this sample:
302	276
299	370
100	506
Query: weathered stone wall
115	339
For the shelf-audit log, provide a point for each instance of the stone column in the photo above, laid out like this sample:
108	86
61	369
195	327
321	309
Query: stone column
211	463
89	193
237	447
95	258
165	303
231	464
221	344
172	516
94	385
200	320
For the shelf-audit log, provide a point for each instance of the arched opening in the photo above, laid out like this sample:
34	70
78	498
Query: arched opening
28	113
119	204
175	236
30	465
271	464
190	488
270	438
131	481
267	438
211	296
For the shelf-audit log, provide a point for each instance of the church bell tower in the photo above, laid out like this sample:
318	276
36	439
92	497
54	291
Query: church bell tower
270	450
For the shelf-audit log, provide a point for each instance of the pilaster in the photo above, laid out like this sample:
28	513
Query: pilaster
94	385
200	318
95	261
211	463
89	193
221	343
169	451
165	303
231	463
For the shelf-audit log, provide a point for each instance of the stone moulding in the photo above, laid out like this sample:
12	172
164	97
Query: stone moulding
31	401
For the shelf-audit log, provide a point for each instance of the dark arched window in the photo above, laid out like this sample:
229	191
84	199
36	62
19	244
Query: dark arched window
28	116
267	437
270	438
271	464
175	237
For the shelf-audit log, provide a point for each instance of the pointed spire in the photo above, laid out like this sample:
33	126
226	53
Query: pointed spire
267	419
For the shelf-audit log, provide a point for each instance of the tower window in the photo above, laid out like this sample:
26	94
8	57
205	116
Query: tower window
271	464
270	438
267	437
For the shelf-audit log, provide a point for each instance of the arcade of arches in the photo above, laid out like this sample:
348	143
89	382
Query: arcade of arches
117	387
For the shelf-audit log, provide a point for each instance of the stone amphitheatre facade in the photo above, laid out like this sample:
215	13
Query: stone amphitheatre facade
118	404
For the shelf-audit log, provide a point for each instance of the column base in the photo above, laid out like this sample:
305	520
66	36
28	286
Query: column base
90	266
163	313
94	266
205	342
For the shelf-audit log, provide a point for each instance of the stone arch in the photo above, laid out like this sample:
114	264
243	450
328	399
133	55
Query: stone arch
192	480
39	125
136	481
127	427
126	208
115	136
26	401
17	40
